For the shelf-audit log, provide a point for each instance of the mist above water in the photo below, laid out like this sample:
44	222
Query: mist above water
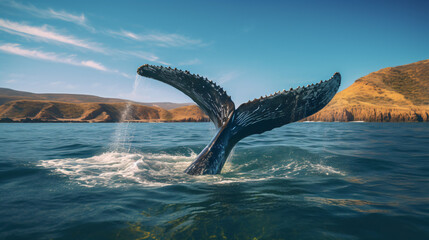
122	138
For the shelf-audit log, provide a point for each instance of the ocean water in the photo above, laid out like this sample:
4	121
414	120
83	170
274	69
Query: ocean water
301	181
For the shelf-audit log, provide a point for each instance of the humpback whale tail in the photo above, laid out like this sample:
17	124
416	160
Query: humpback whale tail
253	117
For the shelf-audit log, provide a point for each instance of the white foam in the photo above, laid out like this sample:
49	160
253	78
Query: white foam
115	169
118	169
327	170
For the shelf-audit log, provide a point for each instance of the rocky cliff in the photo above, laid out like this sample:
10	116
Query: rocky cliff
394	94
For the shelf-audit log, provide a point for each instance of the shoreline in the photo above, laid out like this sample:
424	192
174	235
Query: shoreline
32	120
29	120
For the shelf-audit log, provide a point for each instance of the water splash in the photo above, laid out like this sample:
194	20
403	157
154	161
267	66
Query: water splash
137	80
122	169
118	169
122	138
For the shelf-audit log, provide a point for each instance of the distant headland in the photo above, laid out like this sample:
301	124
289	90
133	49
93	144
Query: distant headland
18	106
394	94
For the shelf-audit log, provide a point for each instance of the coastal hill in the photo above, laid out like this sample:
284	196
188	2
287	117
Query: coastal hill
7	95
393	94
31	107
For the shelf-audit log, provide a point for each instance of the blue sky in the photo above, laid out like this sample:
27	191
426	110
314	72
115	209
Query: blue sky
251	48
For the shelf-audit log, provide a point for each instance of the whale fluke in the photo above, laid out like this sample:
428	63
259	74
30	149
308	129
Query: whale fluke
254	117
287	107
211	98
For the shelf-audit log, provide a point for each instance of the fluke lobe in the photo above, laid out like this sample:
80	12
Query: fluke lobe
254	117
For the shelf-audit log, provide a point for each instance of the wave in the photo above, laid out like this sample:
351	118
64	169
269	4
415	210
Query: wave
117	169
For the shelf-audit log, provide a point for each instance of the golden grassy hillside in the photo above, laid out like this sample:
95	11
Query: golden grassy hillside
8	95
394	94
53	111
188	114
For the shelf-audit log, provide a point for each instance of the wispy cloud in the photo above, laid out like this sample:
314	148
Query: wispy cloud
228	76
53	57
144	55
94	65
128	34
11	81
161	39
65	16
45	33
190	62
48	13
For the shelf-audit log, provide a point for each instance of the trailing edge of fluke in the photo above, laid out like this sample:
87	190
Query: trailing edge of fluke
254	117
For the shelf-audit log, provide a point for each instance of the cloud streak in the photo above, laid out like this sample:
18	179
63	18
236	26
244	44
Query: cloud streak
49	13
45	33
161	39
228	76
16	49
194	61
144	55
65	16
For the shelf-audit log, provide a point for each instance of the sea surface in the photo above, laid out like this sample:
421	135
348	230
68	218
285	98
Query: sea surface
301	181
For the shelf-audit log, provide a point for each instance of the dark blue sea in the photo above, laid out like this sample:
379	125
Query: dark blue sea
301	181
